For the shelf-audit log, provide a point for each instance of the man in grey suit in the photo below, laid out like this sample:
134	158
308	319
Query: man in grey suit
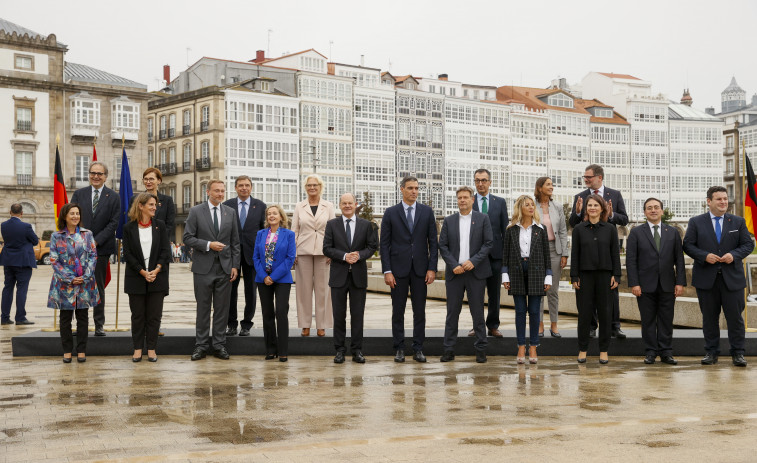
464	244
211	230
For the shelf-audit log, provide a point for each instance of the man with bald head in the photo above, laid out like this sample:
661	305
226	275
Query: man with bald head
349	241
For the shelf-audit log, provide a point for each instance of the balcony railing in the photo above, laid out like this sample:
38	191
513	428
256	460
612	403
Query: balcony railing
85	130
150	136
203	126
171	133
24	179
118	133
77	182
202	163
187	166
185	130
25	126
170	169
186	207
162	134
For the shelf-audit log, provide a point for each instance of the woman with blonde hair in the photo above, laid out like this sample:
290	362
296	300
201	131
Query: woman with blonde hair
526	272
312	269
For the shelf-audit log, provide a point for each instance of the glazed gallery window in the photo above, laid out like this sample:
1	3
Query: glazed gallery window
86	112
126	116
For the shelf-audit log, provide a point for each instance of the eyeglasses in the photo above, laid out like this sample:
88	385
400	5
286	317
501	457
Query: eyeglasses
589	177
481	180
97	174
149	179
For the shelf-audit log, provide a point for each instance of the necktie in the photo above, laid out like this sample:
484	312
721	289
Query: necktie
718	230
215	220
596	192
95	201
484	205
243	214
657	237
410	218
349	234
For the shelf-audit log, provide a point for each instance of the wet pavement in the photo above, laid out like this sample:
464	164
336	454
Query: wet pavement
309	409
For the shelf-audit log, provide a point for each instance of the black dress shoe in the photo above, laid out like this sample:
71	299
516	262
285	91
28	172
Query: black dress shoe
198	354
448	356
480	357
270	356
399	357
99	331
710	359
668	359
339	357
419	357
244	332
6	322
555	334
136	359
618	334
283	359
67	360
24	322
649	359
739	360
221	353
231	331
358	357
593	333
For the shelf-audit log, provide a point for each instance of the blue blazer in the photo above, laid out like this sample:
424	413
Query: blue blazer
283	256
20	239
402	250
700	240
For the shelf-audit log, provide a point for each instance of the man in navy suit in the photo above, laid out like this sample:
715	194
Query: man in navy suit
718	242
656	276
496	208
18	259
100	209
250	219
594	180
409	250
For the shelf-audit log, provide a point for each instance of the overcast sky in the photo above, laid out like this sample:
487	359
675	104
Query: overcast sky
673	44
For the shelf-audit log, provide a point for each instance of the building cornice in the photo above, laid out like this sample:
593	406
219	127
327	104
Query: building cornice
41	85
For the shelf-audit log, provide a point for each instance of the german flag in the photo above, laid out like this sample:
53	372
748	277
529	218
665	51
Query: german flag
60	198
750	198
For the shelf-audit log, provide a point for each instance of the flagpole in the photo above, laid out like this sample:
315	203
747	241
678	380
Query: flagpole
748	275
55	219
118	251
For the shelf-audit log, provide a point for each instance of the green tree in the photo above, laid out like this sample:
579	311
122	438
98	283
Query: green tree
366	210
667	216
566	212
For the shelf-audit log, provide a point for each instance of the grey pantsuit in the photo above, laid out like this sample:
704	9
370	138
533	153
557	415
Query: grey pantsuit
212	288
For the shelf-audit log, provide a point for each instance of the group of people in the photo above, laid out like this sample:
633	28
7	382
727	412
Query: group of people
482	248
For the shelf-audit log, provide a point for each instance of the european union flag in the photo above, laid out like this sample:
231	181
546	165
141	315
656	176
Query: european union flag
125	192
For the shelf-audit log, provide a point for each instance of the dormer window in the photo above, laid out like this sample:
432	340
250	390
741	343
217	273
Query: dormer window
603	112
561	100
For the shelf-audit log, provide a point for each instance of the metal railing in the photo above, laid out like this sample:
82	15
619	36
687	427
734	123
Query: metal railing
24	179
185	130
24	125
186	207
187	166
161	134
171	133
204	126
202	163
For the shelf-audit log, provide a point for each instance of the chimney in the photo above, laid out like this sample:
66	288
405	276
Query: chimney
710	111
259	56
754	100
167	73
443	77
362	61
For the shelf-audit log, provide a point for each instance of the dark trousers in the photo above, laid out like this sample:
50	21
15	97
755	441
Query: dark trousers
212	289
614	302
417	287
275	317
357	310
146	312
493	289
246	273
656	310
527	305
456	289
17	277
66	335
732	302
594	293
98	312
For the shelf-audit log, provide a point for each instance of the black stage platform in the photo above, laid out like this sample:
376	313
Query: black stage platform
376	342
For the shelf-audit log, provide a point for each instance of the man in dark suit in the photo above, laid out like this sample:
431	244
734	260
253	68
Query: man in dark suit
465	244
653	251
718	243
594	180
408	258
250	213
496	208
18	259
348	241
211	230
100	209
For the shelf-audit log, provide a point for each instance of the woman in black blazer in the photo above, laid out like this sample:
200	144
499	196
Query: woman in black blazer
594	271
147	253
526	271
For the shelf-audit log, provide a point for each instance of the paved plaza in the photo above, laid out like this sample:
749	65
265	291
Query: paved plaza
309	409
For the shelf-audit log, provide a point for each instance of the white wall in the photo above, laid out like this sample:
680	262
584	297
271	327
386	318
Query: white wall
41	126
41	61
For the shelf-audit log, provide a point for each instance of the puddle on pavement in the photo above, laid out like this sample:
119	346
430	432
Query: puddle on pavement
494	442
726	432
661	444
78	424
236	432
13	432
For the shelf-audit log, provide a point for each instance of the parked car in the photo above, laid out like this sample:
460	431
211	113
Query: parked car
42	252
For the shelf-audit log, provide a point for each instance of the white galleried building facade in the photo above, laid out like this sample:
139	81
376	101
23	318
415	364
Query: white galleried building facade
42	96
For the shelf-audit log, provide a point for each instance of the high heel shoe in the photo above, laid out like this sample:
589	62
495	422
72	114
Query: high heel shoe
270	356
603	361
81	359
521	357
533	359
581	360
136	359
152	359
67	359
555	334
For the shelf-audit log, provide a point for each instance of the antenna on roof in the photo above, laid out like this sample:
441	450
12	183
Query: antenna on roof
268	48
331	51
390	65
188	50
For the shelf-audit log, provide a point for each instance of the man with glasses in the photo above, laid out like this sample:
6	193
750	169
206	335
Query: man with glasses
656	276
100	209
594	180
496	208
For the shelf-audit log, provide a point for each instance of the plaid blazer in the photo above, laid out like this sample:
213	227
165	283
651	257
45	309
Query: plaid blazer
539	263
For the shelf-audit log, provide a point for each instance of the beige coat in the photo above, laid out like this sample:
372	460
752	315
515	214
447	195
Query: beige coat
309	230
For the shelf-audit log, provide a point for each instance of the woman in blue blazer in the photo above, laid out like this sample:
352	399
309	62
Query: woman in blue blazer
275	251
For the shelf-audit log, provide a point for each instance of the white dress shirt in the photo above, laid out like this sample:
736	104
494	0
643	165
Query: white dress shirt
352	230
651	228
239	207
524	238
407	206
722	222
211	206
480	201
464	227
